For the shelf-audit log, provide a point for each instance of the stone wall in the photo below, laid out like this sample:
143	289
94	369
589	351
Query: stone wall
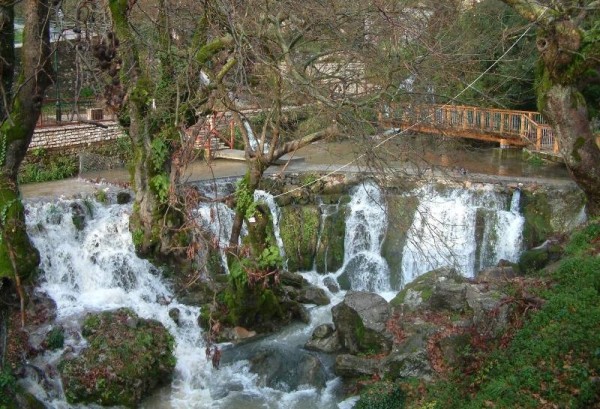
74	135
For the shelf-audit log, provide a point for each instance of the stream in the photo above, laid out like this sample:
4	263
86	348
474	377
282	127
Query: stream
96	269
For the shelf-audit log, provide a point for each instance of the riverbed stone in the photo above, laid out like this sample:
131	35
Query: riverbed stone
121	364
352	366
361	322
324	339
313	295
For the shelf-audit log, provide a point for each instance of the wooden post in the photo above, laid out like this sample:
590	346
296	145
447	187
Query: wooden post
555	140
538	138
231	134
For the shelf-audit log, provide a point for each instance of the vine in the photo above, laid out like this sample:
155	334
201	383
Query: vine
244	197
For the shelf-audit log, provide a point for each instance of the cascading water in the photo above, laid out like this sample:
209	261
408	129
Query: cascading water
96	269
366	225
443	232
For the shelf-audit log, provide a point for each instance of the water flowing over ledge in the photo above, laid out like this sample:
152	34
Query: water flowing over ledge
94	267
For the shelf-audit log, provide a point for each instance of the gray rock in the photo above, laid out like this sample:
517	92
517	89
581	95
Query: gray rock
174	314
313	295
123	197
407	365
331	285
490	315
352	366
324	339
361	322
447	294
280	366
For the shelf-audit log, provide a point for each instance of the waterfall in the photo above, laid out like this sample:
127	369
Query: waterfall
96	269
443	232
366	224
261	195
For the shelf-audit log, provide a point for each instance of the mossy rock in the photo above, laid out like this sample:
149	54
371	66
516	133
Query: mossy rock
536	209
299	227
401	212
421	288
126	359
533	260
330	251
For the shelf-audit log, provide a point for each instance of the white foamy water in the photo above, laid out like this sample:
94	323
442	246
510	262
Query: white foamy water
443	231
96	269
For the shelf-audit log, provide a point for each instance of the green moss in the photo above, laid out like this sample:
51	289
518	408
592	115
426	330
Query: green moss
536	209
330	252
55	339
299	226
126	359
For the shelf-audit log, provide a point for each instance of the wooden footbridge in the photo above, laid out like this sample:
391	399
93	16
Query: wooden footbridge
508	128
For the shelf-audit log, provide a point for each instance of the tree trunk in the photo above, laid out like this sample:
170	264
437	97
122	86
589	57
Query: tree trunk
18	257
253	177
568	116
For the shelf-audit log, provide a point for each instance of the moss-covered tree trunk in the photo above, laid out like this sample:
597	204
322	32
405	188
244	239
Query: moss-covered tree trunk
18	257
568	40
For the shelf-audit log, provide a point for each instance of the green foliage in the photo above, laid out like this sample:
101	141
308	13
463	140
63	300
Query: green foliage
160	153
137	237
382	395
8	384
160	186
47	168
55	339
244	197
554	359
101	196
270	258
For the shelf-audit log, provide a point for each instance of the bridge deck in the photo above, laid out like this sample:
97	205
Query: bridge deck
509	128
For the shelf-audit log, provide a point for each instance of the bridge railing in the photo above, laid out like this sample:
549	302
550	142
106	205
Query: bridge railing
528	127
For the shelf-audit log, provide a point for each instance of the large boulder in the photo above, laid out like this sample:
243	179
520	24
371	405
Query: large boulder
361	321
126	359
443	288
352	366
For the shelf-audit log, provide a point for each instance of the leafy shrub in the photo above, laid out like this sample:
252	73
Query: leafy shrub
382	395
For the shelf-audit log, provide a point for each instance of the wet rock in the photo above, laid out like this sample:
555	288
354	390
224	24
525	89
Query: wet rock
292	279
313	295
324	339
78	215
288	369
122	364
497	272
330	251
331	285
448	294
123	197
352	366
361	322
278	365
174	314
418	293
